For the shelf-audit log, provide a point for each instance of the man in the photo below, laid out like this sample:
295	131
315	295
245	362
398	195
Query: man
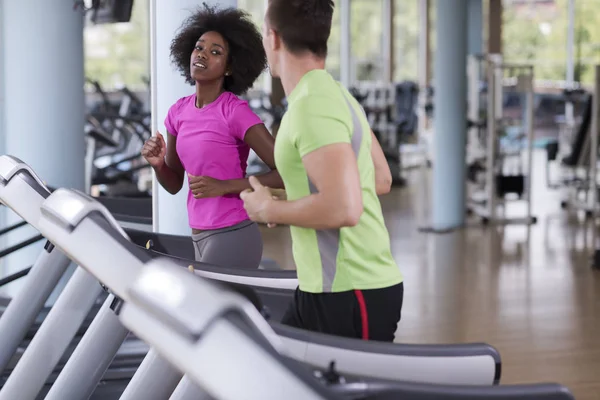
333	169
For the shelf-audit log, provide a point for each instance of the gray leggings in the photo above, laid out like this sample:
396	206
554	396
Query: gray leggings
237	246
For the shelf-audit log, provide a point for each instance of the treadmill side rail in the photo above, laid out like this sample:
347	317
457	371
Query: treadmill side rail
69	207
11	166
174	295
222	352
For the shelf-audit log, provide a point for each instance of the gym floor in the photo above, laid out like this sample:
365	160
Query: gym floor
529	292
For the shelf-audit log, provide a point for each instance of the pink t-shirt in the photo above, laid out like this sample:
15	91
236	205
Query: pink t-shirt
210	142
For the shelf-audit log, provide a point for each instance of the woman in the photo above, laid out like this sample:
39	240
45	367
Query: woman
210	134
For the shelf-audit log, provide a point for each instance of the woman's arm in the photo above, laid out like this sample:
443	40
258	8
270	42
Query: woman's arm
170	173
383	175
263	144
338	201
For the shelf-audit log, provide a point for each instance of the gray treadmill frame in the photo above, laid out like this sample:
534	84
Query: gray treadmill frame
167	317
58	329
23	192
69	210
185	329
87	253
116	226
106	334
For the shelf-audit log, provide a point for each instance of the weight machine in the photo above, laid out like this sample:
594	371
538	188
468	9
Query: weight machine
495	156
579	168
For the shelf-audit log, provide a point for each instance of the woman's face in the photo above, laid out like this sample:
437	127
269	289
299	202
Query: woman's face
208	61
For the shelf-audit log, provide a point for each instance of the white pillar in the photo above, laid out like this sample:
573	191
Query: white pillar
44	105
424	63
570	58
388	35
170	212
475	27
267	78
2	105
345	43
2	91
450	83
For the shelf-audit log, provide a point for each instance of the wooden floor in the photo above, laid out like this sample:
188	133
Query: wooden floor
529	292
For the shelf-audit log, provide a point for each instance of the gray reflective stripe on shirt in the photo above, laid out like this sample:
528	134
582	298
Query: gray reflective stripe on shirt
328	240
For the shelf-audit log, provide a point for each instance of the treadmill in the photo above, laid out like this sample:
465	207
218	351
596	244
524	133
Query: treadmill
71	219
23	192
216	337
71	231
98	212
24	196
470	364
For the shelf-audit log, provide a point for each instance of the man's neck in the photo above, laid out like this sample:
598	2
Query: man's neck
295	67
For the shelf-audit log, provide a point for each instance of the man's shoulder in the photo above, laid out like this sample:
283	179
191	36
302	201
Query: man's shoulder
319	85
319	101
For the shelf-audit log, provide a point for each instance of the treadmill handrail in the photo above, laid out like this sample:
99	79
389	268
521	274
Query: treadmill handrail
186	352
228	349
163	289
127	245
375	347
289	275
68	207
11	166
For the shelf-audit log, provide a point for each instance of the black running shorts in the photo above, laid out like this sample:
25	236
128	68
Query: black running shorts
364	314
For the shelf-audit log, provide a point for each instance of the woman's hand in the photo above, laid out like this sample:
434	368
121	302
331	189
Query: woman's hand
204	186
154	151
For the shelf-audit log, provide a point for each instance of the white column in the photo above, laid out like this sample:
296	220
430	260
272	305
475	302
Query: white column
44	106
2	94
388	34
2	105
267	78
570	58
475	27
345	43
423	64
450	83
170	211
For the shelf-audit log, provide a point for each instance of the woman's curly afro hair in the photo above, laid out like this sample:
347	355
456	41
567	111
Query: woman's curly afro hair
247	58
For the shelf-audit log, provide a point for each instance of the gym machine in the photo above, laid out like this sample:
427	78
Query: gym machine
592	195
18	182
495	165
391	109
23	192
227	334
66	214
72	231
58	330
580	188
194	326
463	363
63	219
565	151
480	363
